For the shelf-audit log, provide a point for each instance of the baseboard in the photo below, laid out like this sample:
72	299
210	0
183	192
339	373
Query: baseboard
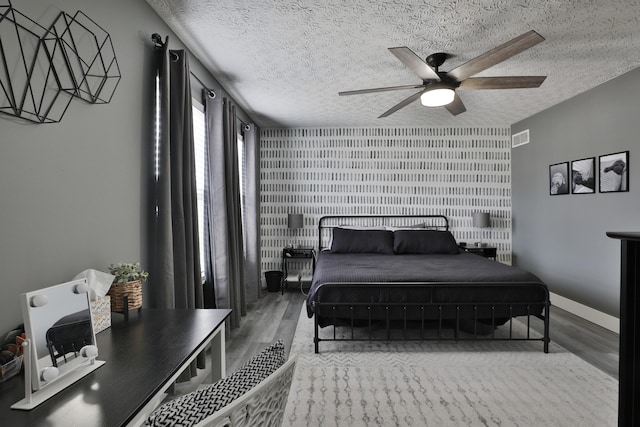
591	314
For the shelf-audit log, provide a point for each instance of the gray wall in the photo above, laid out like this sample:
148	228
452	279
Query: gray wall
73	193
562	238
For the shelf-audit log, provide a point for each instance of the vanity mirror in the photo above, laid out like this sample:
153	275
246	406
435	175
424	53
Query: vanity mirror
61	343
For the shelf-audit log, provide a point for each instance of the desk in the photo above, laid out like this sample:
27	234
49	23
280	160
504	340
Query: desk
143	358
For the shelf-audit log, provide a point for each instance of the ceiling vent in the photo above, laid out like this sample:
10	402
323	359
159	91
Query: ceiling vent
520	138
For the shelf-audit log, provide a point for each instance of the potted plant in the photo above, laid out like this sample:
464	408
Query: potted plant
128	281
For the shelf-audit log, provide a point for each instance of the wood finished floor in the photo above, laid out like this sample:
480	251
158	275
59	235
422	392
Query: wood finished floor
275	316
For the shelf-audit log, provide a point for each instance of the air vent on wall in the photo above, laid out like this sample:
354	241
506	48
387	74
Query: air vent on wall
520	138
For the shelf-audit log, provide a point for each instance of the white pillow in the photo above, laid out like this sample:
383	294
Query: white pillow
409	227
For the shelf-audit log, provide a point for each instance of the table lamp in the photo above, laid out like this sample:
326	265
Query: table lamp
295	221
481	220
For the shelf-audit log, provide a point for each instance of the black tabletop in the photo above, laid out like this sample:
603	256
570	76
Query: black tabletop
140	356
624	235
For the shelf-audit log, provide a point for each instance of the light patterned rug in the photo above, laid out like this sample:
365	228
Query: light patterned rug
445	384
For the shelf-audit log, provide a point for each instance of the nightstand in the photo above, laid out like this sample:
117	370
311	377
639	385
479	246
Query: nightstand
296	254
485	251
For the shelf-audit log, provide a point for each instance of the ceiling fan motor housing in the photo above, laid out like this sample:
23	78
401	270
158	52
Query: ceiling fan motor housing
436	59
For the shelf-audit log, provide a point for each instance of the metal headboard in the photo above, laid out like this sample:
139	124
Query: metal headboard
329	222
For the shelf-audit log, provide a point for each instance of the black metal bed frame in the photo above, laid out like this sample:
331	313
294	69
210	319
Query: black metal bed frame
435	309
381	220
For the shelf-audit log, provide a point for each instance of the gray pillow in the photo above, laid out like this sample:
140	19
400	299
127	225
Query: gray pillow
350	241
424	242
193	407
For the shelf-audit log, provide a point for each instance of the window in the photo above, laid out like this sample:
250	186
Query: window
200	149
156	136
242	176
199	142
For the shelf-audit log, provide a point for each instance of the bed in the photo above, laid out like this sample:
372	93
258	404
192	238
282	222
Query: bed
68	335
404	277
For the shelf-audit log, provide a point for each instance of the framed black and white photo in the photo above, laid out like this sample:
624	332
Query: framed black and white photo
614	172
583	176
558	179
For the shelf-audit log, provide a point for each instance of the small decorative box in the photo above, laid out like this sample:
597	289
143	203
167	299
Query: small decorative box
101	313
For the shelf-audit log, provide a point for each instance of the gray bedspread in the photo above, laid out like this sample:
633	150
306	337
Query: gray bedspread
464	268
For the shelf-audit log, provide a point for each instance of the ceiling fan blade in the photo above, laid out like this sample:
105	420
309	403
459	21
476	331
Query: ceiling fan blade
415	63
515	82
456	107
380	89
496	55
402	104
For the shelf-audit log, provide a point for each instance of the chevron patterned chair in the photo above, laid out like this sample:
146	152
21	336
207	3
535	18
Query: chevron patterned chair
254	395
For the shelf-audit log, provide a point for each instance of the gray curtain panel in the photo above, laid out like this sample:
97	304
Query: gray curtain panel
252	211
160	289
175	278
209	260
225	217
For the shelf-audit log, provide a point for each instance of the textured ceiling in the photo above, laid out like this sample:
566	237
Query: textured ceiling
285	61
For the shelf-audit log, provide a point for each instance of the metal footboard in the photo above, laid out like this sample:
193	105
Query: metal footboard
383	317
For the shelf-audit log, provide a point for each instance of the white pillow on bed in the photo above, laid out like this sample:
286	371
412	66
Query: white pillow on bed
408	227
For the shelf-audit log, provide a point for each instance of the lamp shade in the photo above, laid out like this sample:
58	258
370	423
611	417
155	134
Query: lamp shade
295	221
437	97
481	219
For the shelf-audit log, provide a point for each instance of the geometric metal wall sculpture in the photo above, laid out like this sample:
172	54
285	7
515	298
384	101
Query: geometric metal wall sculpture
43	69
90	57
30	86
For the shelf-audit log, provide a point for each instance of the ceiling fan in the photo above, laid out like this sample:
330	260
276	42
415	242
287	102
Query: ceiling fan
440	88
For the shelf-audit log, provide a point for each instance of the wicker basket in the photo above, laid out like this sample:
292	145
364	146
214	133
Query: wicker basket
133	290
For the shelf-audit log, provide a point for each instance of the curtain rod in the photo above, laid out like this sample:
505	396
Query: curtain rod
210	92
157	41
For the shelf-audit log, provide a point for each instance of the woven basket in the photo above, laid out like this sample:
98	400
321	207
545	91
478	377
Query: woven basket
133	290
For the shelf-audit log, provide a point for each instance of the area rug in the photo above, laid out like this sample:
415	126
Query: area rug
445	383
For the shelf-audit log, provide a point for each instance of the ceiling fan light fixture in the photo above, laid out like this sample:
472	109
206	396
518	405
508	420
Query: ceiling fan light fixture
437	97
